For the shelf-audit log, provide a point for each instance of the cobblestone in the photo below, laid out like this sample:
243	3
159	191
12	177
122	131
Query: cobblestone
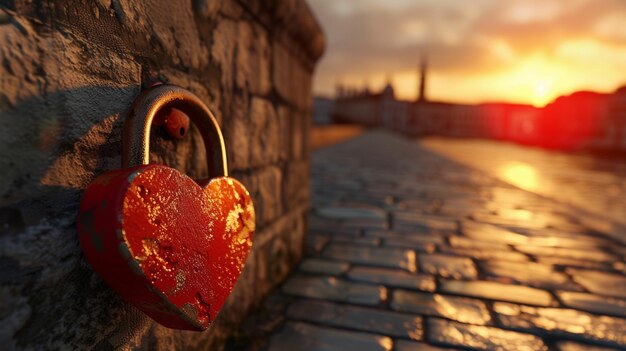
482	338
457	308
577	254
334	289
528	273
384	257
562	321
359	318
594	303
498	291
320	266
403	345
392	278
351	213
306	337
448	266
492	233
574	346
414	252
602	283
486	254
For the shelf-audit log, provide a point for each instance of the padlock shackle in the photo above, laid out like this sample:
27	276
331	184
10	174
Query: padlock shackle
136	134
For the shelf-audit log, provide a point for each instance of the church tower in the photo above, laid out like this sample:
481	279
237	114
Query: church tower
422	79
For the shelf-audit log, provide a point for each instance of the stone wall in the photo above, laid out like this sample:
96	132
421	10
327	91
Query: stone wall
69	71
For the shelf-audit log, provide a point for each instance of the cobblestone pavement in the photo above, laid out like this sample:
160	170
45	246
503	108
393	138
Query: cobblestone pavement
410	251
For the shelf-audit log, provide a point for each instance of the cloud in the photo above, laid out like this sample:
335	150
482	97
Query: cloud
462	38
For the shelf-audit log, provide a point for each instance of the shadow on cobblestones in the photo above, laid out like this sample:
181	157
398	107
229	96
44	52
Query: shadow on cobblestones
410	251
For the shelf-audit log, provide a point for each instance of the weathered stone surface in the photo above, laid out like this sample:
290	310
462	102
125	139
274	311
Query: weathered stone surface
480	337
492	233
321	266
563	321
528	273
551	238
358	318
412	237
460	309
264	143
349	240
574	346
384	257
253	59
392	278
350	213
277	249
70	71
462	242
404	345
519	219
602	283
265	188
485	254
425	222
315	243
594	303
578	254
306	337
570	262
296	184
366	223
498	291
334	289
448	266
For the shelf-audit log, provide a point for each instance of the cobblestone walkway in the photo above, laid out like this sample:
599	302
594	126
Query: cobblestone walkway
409	251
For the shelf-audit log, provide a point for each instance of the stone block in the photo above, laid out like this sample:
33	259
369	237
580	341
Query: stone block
223	51
324	267
594	303
448	266
264	143
334	289
64	92
358	318
392	278
306	337
498	291
480	337
566	322
460	309
253	59
601	283
265	189
296	184
383	257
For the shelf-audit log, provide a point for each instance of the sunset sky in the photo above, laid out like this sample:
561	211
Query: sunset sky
528	51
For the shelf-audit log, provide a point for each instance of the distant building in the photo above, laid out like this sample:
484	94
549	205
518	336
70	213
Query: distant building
580	120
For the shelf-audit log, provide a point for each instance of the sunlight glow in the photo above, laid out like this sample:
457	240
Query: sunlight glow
542	93
520	174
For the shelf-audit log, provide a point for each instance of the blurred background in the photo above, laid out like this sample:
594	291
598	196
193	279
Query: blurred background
516	51
532	91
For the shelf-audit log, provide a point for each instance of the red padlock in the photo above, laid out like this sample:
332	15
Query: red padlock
171	246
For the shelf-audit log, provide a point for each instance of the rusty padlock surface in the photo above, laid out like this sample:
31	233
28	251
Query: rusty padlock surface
171	246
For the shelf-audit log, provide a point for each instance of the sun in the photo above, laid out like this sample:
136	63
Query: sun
542	93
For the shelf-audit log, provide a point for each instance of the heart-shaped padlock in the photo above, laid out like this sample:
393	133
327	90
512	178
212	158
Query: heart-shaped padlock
171	246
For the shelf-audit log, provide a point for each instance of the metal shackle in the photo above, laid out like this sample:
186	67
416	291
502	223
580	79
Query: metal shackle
136	134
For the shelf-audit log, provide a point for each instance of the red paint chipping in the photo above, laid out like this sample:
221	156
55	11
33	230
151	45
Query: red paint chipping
182	247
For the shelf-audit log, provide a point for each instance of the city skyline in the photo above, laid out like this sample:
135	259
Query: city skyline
515	51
